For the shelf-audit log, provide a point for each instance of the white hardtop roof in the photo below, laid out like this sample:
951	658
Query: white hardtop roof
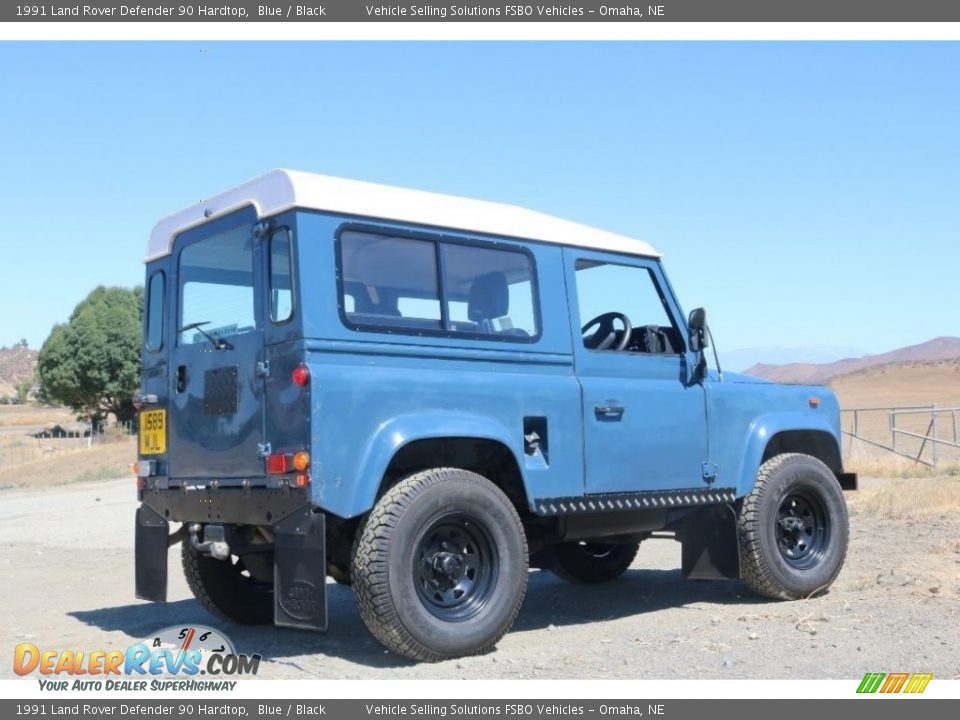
280	190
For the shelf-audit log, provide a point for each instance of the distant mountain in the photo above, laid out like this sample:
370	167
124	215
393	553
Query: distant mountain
739	360
942	348
16	366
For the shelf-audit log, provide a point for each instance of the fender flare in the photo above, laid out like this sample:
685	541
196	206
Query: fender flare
402	430
765	427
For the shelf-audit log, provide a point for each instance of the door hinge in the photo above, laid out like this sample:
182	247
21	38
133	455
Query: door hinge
263	368
261	229
264	450
710	471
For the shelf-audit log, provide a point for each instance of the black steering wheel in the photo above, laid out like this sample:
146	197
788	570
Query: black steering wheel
606	331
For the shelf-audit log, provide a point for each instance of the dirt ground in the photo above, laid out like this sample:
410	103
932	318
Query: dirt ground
66	555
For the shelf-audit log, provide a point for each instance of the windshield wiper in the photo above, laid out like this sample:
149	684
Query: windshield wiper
218	343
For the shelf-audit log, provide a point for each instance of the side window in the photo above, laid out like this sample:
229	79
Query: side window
155	311
392	281
606	291
281	277
396	282
488	291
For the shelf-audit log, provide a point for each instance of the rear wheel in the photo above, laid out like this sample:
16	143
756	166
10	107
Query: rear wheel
793	528
440	569
229	588
588	562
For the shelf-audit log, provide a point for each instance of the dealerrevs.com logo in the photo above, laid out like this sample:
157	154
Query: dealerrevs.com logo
154	663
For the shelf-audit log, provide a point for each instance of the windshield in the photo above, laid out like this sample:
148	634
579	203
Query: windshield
216	287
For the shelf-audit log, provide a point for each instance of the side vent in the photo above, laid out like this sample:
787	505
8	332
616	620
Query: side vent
535	438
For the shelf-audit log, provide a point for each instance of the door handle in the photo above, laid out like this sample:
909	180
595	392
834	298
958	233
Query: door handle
612	412
181	378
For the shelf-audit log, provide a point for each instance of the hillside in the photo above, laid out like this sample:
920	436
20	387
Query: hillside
16	365
912	383
942	348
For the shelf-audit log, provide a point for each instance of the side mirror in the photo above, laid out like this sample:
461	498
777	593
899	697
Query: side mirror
697	327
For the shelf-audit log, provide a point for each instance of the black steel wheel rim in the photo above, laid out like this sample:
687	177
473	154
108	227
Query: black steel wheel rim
455	567
802	529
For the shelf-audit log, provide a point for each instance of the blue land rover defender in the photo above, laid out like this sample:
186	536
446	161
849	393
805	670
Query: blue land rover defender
423	396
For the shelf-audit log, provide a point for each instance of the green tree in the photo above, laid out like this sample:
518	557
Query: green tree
92	363
23	391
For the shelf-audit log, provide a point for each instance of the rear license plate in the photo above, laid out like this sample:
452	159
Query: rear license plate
153	432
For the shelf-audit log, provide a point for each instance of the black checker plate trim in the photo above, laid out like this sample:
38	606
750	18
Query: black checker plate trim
220	390
620	502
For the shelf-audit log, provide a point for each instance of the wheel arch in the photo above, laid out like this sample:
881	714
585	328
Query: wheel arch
407	445
774	435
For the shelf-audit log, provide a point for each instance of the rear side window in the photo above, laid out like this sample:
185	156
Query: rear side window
403	284
488	291
392	281
281	277
155	300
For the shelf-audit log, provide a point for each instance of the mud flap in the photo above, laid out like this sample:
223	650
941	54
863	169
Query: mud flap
300	571
150	555
710	545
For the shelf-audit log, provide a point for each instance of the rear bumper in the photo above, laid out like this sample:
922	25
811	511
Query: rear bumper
299	552
231	505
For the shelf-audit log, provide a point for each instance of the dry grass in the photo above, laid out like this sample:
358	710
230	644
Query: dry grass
912	498
110	460
910	383
900	385
34	416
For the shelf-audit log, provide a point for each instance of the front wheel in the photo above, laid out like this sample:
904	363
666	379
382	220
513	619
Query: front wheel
793	529
584	562
440	569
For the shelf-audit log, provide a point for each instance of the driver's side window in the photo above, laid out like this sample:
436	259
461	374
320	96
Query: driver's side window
608	294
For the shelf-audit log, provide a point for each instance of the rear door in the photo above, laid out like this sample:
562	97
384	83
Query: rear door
216	387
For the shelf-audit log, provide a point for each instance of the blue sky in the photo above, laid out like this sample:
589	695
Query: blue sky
805	193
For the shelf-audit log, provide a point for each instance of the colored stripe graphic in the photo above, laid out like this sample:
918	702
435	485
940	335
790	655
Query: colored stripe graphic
894	682
870	682
918	682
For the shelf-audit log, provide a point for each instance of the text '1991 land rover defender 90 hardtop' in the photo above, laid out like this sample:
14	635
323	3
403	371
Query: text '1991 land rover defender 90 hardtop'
423	396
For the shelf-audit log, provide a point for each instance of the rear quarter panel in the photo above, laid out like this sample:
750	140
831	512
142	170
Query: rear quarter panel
373	392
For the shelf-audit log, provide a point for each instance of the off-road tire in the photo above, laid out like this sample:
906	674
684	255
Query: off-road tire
398	541
791	486
593	562
224	591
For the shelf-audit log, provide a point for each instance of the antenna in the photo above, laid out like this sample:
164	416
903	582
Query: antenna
716	358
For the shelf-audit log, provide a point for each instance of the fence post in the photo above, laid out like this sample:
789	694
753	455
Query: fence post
893	431
933	425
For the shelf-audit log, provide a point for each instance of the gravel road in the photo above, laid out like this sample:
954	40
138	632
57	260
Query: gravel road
66	555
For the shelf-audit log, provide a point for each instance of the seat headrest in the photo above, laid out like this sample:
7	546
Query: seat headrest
489	297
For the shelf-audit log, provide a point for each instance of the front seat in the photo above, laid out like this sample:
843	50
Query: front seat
489	300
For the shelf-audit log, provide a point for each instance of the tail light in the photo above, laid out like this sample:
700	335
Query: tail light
302	480
300	375
277	464
301	461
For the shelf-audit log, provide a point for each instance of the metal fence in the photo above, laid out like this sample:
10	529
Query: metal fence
19	449
925	434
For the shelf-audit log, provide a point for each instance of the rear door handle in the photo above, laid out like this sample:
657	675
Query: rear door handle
613	412
181	378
